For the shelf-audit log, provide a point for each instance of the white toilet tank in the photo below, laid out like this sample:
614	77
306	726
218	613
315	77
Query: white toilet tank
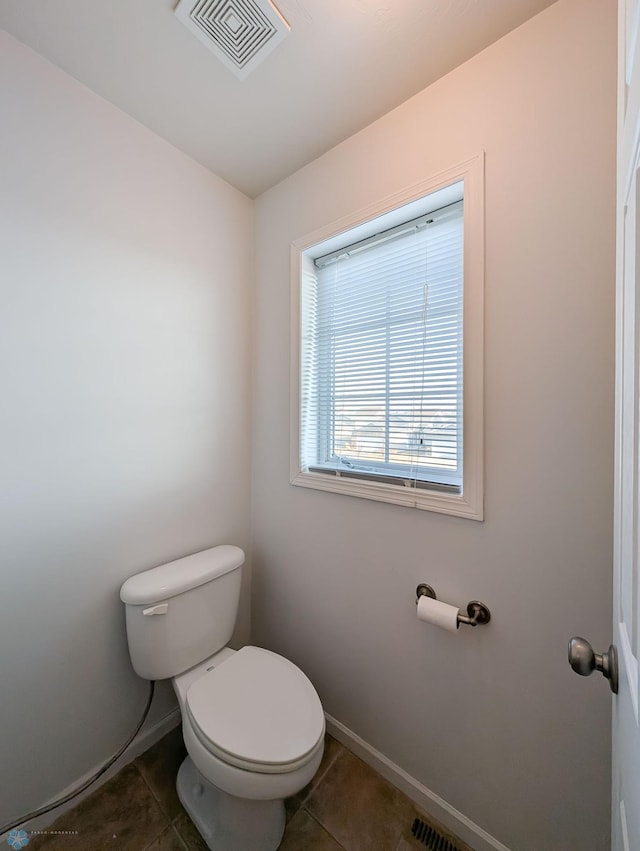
182	612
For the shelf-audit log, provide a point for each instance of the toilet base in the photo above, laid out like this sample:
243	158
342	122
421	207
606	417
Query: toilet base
227	823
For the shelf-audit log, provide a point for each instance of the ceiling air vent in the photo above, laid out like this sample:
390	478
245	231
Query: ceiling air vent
241	33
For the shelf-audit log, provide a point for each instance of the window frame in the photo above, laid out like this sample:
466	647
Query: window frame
469	503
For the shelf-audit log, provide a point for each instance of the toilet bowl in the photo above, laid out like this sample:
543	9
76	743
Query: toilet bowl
252	721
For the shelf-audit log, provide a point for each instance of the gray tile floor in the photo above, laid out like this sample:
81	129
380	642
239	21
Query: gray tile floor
346	807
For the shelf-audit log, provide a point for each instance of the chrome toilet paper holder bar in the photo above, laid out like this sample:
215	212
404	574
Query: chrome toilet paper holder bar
478	613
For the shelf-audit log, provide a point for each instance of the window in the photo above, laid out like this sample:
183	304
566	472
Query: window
387	361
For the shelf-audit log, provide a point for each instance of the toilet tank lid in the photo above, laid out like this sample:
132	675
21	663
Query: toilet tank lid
183	574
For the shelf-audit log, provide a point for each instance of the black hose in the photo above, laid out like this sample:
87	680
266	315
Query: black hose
75	792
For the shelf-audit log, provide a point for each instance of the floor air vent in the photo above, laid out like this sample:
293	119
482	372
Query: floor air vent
241	33
430	837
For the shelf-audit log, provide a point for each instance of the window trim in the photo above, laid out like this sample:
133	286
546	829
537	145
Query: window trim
469	503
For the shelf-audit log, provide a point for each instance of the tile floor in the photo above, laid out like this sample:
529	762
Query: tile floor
346	807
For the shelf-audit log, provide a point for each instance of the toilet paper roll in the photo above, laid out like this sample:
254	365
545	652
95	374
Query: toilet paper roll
438	613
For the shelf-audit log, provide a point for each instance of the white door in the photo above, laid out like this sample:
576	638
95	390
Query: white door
626	620
625	812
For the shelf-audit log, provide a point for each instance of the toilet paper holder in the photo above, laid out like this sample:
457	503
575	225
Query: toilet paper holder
478	613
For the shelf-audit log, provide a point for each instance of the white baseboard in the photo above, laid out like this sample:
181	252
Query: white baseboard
424	798
142	742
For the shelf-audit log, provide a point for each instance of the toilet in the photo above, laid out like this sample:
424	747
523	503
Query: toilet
252	722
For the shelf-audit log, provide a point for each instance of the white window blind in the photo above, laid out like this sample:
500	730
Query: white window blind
381	359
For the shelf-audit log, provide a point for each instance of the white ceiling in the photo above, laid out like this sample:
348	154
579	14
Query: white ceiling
344	64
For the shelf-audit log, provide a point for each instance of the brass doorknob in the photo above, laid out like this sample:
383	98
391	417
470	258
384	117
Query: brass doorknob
584	661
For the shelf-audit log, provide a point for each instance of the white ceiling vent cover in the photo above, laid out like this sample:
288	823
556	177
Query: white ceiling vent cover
241	33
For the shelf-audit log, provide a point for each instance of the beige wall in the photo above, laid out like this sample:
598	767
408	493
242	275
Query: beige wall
126	279
491	720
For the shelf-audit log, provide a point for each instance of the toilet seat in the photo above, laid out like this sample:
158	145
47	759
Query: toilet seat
257	711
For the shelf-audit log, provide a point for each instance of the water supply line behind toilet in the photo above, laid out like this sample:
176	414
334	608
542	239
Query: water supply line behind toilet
5	828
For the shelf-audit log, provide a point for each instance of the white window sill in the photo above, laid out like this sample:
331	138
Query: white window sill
460	505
